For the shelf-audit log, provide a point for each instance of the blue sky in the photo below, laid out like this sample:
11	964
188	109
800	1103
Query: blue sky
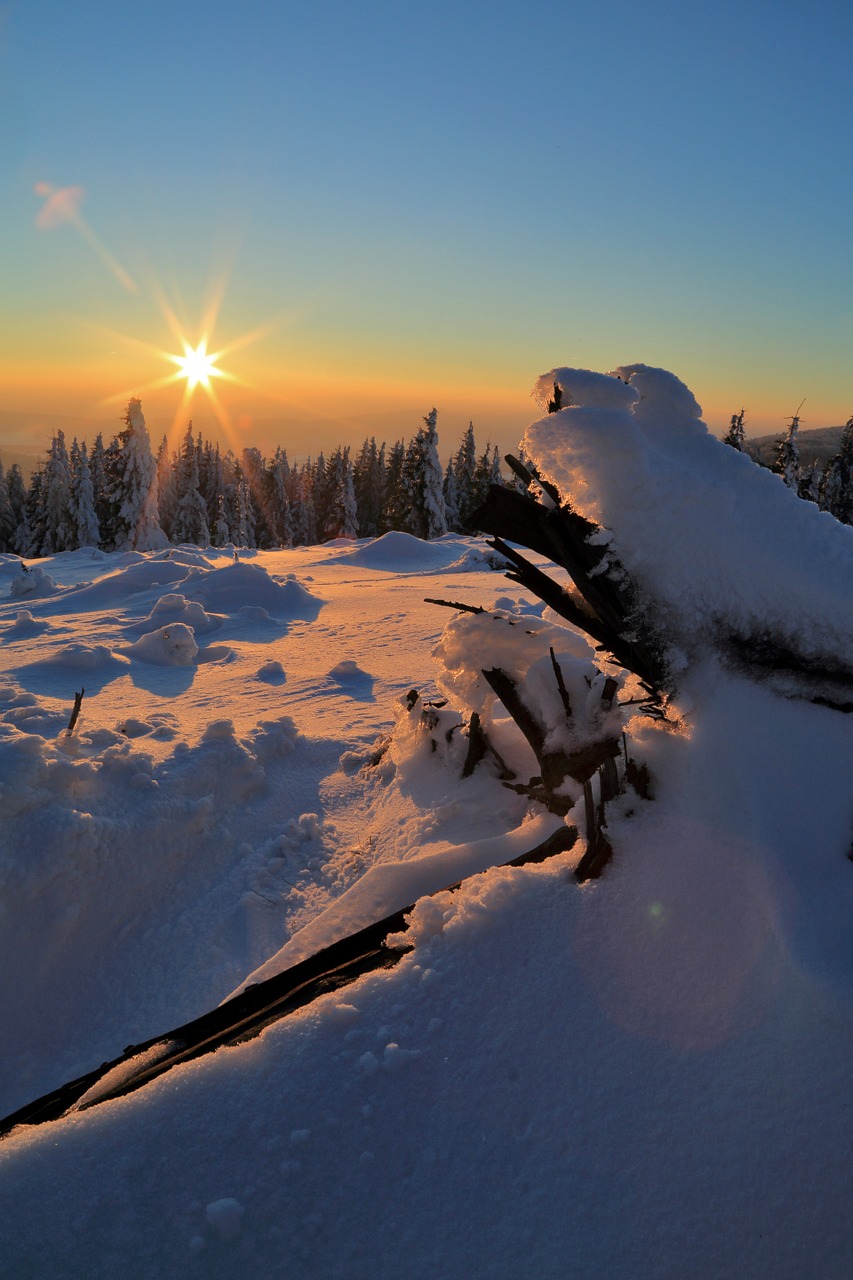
429	205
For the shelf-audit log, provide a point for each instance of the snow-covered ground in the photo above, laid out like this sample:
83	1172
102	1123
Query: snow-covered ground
647	1076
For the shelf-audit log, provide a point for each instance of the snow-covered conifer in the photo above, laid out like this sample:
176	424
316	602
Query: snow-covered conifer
57	525
433	480
369	481
451	498
21	534
321	492
87	531
787	461
190	520
167	490
735	435
341	514
395	507
412	519
32	529
7	516
243	532
488	464
809	486
257	481
836	489
465	470
279	517
135	487
104	506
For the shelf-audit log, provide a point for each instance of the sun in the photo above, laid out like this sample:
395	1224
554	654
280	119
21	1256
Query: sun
197	366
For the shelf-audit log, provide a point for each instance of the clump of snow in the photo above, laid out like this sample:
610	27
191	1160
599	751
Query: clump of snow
34	582
172	646
349	672
271	672
225	1218
176	608
716	544
25	625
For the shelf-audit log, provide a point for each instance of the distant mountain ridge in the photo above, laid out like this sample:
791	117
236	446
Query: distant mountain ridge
817	445
27	459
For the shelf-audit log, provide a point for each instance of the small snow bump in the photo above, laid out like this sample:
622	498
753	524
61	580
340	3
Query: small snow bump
224	1217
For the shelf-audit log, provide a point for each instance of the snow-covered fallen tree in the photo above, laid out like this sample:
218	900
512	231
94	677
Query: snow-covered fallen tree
676	545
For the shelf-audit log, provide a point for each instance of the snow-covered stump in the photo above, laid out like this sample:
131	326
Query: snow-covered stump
537	706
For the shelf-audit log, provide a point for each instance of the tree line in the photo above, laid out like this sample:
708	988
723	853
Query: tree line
830	485
121	496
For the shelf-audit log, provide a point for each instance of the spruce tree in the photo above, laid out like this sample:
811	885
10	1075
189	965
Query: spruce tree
137	526
836	490
341	513
104	505
87	531
55	493
190	519
32	532
735	435
369	481
257	478
279	518
451	498
8	521
465	470
18	502
167	489
394	507
787	461
432	480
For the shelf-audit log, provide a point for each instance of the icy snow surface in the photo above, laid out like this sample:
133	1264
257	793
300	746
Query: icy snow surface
646	1077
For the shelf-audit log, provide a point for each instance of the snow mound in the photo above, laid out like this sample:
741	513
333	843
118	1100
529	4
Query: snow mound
239	586
402	553
135	577
272	672
35	583
172	646
25	625
348	670
176	608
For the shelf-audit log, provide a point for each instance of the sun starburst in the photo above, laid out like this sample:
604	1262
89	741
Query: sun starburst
199	371
197	366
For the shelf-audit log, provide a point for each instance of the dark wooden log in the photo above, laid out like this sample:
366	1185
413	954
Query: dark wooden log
561	684
528	575
455	604
78	702
610	614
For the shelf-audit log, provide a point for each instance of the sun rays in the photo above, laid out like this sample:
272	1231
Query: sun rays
197	367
